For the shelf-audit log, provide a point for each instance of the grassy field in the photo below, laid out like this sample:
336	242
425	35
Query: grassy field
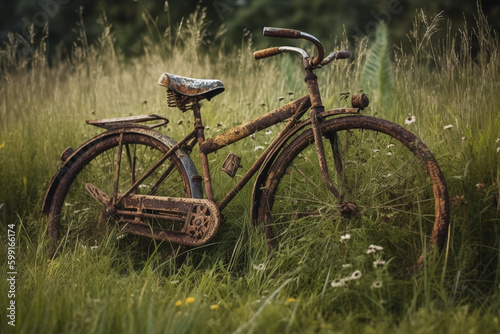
233	285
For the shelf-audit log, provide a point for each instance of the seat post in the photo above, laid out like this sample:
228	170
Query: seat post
200	135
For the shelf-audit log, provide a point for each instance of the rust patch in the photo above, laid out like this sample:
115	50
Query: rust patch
200	218
260	123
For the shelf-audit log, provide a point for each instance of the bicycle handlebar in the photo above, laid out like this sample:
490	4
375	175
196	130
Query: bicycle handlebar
319	60
281	32
266	52
336	55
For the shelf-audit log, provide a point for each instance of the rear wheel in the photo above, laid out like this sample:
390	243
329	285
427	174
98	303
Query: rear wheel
77	215
384	173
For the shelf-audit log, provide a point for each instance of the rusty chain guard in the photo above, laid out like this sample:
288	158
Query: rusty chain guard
199	218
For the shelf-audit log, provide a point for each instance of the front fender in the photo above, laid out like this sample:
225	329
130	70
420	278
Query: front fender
196	189
262	175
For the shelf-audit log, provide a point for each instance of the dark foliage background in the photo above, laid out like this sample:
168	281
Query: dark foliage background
325	19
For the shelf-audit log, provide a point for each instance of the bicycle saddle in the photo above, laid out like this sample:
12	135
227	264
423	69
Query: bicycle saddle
205	88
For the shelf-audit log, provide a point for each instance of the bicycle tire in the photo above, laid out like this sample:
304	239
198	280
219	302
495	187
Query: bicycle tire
75	216
410	188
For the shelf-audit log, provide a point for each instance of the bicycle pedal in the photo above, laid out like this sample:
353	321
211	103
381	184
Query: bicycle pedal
231	165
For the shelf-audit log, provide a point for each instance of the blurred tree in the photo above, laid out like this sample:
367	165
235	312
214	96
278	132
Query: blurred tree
358	18
325	19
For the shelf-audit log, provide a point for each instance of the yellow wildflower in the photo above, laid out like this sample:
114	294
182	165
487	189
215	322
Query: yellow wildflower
290	300
214	306
178	303
189	300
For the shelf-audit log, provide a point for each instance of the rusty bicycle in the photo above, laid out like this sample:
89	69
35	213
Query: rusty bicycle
329	167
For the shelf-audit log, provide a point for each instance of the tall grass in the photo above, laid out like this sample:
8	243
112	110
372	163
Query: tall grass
128	285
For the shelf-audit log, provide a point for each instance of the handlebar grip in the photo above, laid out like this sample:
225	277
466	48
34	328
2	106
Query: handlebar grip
266	53
336	55
281	32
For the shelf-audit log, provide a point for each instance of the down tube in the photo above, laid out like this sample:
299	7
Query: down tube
280	114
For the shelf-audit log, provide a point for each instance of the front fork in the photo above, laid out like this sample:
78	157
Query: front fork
346	209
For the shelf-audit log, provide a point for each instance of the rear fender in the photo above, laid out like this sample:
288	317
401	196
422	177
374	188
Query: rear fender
194	179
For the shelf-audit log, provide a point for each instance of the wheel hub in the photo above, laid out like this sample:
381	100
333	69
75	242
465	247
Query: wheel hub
348	210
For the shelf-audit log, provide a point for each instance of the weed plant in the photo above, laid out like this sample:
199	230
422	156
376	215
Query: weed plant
444	91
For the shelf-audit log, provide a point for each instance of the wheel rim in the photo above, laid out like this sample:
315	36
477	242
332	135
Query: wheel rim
388	183
76	216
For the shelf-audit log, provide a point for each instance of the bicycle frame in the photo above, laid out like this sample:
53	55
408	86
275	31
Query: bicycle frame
198	219
293	110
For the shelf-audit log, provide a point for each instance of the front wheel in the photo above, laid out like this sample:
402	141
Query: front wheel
385	173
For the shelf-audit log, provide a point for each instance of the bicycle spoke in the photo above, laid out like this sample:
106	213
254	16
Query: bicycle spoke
161	179
383	184
131	161
118	166
112	167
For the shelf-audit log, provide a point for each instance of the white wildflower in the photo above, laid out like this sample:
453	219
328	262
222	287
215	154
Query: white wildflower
446	127
374	249
257	148
410	119
377	285
347	265
356	275
346	236
338	283
268	132
259	267
378	263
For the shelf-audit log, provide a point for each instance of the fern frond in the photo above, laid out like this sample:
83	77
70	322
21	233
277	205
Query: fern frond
377	77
